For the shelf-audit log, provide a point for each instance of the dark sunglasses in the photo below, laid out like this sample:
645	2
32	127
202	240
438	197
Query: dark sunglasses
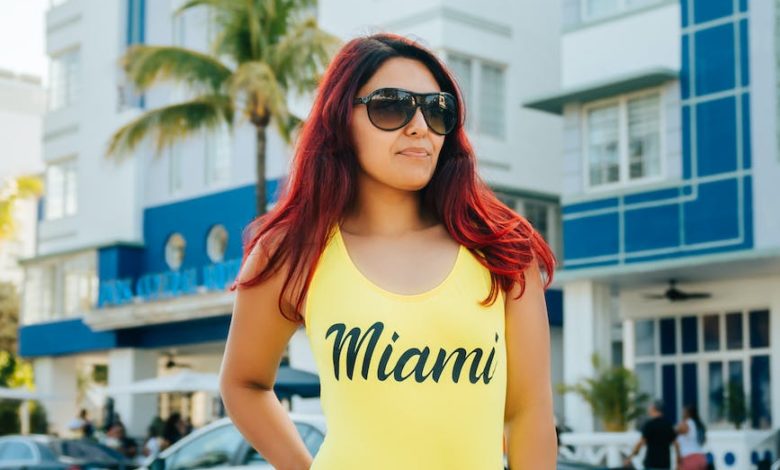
390	109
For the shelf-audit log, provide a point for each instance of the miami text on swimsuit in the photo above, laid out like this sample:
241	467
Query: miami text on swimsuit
355	339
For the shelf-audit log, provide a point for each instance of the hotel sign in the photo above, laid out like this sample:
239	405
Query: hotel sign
169	284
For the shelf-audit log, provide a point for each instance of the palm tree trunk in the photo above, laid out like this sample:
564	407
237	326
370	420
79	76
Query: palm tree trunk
260	160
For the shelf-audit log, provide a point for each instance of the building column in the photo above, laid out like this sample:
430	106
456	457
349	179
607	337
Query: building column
55	378
126	366
586	330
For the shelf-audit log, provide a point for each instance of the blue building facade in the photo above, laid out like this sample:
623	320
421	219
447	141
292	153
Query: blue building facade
669	209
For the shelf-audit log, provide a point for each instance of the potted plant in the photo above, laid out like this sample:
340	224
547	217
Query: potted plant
613	394
735	404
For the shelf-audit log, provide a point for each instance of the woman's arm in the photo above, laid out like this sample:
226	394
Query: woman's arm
255	344
528	415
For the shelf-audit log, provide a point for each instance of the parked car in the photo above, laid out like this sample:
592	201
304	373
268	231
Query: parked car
220	445
39	452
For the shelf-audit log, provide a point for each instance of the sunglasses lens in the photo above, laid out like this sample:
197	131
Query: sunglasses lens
441	113
390	109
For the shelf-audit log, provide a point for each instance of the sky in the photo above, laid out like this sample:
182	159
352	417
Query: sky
22	37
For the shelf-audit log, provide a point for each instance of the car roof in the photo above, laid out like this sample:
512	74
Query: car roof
318	421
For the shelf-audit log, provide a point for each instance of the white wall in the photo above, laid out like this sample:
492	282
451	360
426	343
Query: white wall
648	40
107	189
22	104
764	138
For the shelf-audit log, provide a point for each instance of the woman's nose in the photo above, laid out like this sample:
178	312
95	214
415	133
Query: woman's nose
417	124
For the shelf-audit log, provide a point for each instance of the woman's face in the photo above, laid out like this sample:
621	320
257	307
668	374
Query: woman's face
406	158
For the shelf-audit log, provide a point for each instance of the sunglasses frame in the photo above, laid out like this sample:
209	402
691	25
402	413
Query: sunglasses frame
419	101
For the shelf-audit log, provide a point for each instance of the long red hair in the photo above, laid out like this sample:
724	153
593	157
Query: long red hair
323	176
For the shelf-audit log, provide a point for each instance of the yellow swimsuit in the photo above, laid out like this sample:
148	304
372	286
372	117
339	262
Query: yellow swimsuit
408	381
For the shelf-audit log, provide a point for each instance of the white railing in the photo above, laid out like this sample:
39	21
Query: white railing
728	449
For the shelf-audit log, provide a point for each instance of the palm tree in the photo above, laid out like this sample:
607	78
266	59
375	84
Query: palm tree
263	50
22	187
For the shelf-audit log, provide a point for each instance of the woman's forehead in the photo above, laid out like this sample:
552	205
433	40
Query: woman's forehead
398	72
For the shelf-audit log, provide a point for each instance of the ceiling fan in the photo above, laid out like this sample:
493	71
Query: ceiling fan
673	294
171	363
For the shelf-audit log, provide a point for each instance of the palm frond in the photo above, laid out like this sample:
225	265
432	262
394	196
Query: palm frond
302	54
257	83
148	65
170	124
230	6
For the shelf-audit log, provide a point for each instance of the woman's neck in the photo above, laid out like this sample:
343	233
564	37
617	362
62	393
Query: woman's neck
381	211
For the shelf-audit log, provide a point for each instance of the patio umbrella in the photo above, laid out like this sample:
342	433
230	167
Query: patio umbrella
291	381
184	381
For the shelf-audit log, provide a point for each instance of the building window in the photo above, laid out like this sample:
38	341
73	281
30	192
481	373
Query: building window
39	293
66	287
174	251
179	28
218	156
61	190
492	101
623	140
461	67
64	85
216	243
598	9
80	285
538	213
731	350
489	81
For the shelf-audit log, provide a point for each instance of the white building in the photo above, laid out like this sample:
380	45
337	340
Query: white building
670	168
133	255
22	105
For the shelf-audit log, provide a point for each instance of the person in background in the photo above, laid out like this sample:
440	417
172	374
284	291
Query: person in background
174	429
658	435
82	425
117	439
154	442
691	435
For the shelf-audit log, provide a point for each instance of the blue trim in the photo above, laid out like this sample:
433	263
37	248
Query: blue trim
590	206
201	330
708	10
74	336
62	337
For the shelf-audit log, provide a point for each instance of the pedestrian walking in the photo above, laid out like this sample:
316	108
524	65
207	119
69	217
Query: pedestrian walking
421	293
691	436
658	436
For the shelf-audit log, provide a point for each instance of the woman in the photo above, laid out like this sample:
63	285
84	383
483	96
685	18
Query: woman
691	435
421	293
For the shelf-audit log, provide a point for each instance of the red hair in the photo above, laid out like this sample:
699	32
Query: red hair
323	175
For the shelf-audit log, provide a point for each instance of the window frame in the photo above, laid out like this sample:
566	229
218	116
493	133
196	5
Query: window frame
624	179
702	358
69	168
70	95
471	97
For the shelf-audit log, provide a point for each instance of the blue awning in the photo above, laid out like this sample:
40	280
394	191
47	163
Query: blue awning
291	381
